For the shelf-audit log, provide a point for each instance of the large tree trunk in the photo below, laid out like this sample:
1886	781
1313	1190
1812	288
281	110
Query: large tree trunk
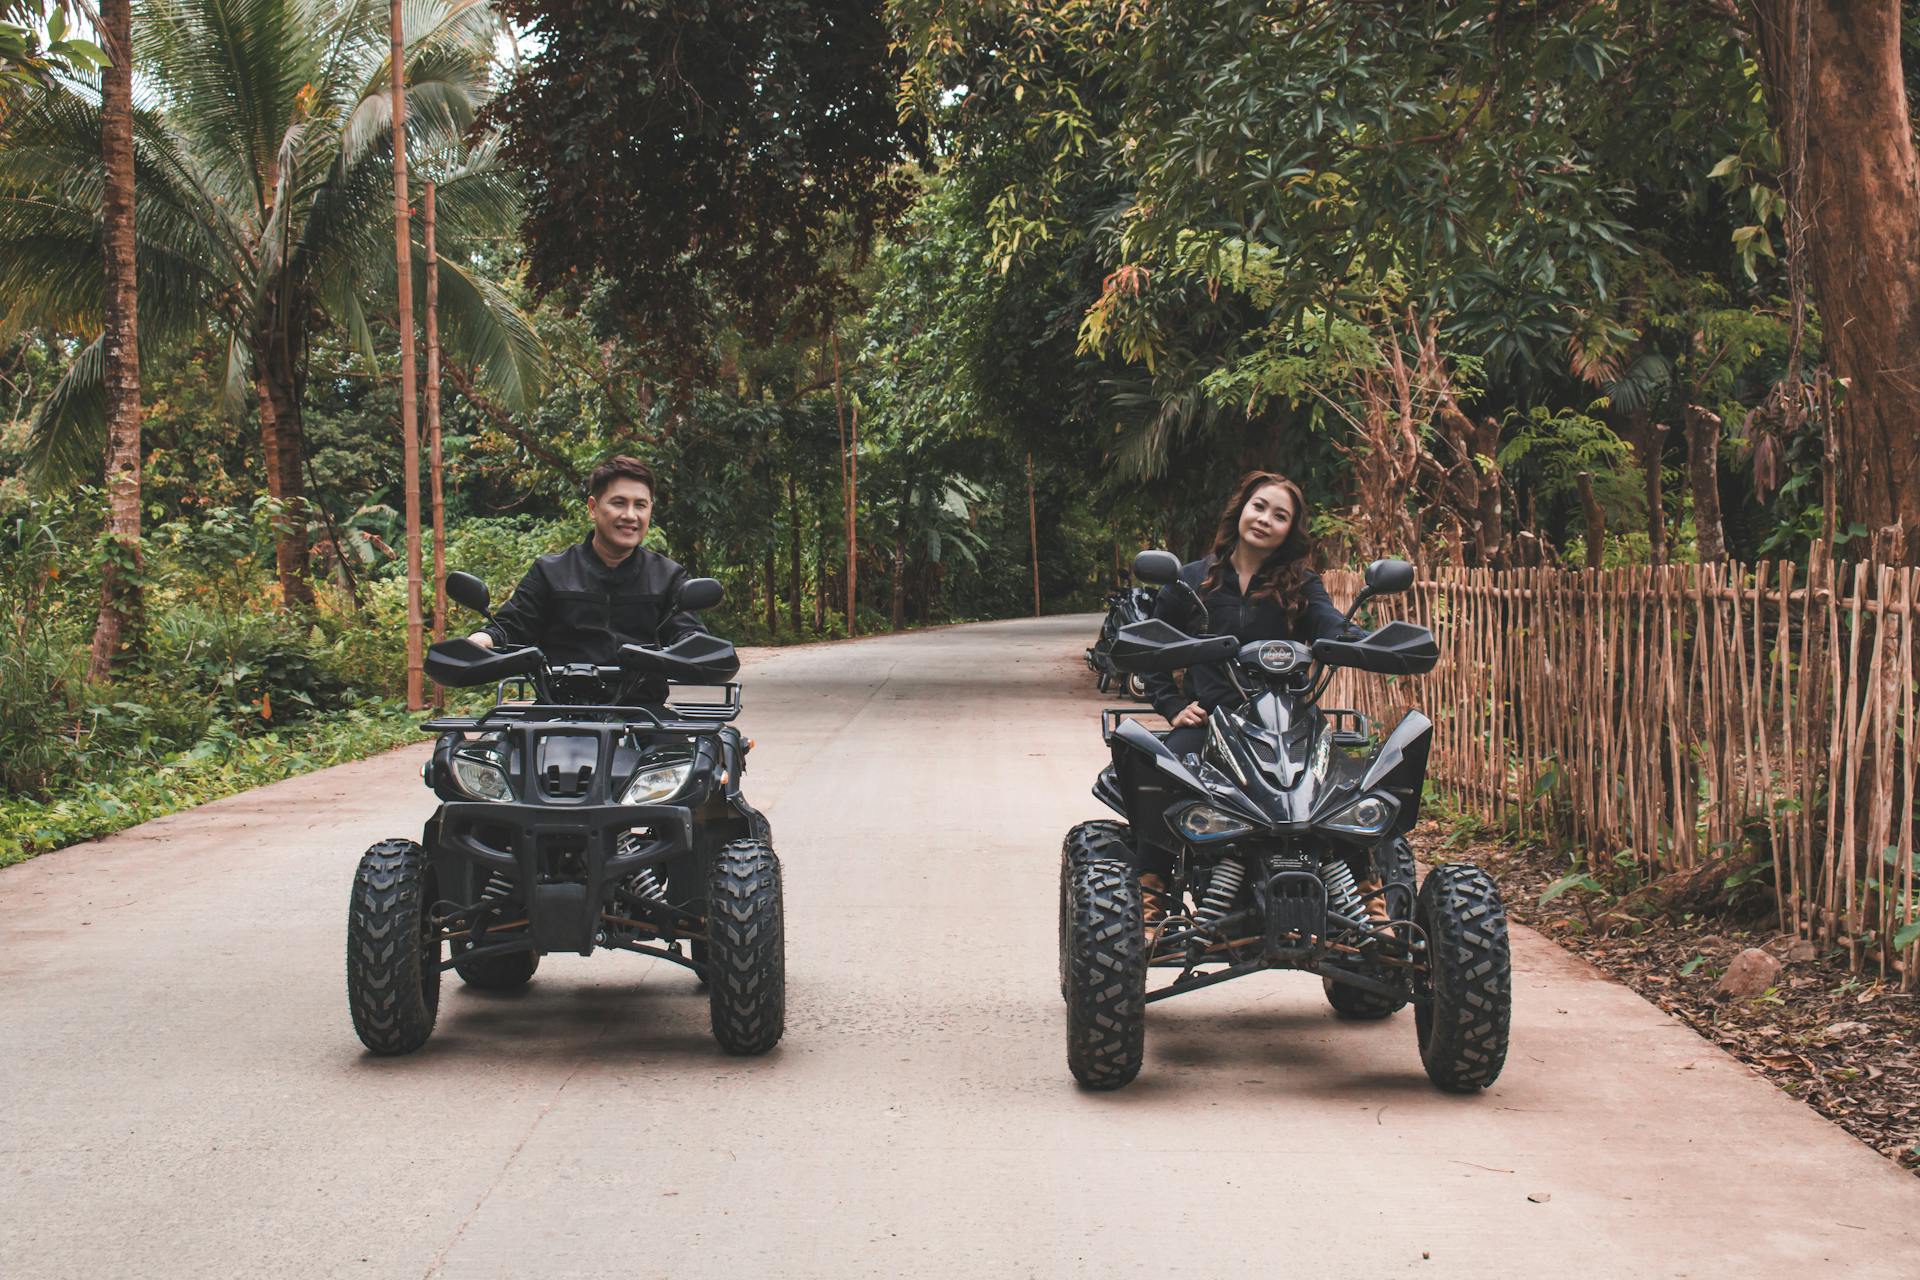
1832	78
119	589
1703	469
283	441
409	405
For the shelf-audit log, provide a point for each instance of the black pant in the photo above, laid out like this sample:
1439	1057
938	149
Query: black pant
1149	795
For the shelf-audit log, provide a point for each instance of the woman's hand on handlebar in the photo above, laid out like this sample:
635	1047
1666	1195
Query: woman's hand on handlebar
1188	716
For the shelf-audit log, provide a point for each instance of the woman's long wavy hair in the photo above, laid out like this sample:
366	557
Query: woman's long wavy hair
1282	577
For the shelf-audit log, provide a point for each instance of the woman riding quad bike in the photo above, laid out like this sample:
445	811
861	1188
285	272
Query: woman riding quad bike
1266	831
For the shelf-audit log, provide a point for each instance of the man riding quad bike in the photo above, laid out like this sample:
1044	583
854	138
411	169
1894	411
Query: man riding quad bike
1287	839
593	814
1124	607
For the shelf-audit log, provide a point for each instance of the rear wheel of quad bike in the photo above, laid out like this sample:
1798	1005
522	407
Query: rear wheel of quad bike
1464	1026
1088	842
746	949
1137	688
507	971
393	951
1106	964
1394	862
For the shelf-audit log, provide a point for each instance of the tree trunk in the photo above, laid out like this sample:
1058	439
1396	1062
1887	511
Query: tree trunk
119	588
435	477
1649	441
1832	77
1703	469
899	610
1596	522
283	441
773	589
1033	535
793	582
409	406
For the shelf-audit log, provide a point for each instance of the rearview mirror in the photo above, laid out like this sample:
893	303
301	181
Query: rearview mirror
1157	567
1389	577
698	593
465	589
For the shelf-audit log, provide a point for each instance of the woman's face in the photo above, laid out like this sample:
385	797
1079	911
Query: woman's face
1267	518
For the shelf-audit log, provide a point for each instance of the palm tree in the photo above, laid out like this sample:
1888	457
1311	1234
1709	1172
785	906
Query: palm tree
264	162
119	343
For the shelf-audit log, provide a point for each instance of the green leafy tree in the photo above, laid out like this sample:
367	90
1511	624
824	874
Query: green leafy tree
695	163
263	166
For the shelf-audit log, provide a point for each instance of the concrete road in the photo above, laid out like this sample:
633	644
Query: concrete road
184	1095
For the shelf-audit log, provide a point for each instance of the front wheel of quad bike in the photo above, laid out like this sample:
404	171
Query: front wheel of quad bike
1394	863
1106	966
508	971
1088	842
393	950
1137	688
1464	1025
1106	681
746	949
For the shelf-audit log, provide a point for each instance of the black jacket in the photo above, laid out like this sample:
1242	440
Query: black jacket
1230	614
576	609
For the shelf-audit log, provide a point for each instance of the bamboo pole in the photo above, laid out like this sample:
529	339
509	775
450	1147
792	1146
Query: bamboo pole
436	478
403	316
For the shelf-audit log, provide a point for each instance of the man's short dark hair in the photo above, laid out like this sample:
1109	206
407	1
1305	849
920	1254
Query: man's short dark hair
616	468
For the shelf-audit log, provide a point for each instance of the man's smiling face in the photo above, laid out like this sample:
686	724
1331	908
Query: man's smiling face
621	514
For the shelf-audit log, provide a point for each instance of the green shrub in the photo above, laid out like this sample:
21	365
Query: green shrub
42	654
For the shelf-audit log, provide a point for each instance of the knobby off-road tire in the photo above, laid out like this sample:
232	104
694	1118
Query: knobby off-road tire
1395	865
746	949
1088	842
506	972
393	953
1106	965
1463	1030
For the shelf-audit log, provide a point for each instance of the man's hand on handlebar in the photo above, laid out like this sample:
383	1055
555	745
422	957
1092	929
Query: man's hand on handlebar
1188	716
481	638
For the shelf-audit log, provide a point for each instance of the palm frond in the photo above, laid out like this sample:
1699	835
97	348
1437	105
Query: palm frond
487	331
68	438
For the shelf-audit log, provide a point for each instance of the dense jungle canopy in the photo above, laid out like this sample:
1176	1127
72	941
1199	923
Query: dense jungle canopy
942	308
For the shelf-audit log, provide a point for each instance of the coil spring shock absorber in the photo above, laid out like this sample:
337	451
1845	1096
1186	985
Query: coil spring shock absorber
1223	886
1343	895
498	886
646	884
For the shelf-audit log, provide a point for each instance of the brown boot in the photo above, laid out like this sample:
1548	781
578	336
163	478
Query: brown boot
1373	893
1155	901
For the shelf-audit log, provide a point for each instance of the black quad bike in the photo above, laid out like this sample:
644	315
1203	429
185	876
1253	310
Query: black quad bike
570	822
1124	608
1280	830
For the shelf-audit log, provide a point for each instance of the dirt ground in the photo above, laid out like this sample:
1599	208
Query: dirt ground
1844	1043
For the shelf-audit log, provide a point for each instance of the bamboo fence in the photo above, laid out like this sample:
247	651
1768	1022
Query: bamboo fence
1683	716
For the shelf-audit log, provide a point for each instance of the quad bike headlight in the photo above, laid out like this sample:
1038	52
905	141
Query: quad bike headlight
661	782
1368	816
481	775
1205	823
